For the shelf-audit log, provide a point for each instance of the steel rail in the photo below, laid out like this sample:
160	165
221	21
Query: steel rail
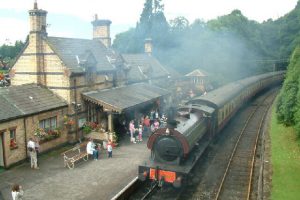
254	150
150	191
127	190
235	148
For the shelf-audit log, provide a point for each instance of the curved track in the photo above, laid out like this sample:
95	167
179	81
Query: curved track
230	167
237	180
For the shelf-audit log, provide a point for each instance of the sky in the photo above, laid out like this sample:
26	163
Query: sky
71	18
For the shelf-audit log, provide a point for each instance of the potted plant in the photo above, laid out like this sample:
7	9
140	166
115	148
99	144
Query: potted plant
86	128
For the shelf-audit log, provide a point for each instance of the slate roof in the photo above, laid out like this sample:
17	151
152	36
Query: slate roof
125	97
143	67
174	73
22	100
73	52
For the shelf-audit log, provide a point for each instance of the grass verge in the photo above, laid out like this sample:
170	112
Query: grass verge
285	161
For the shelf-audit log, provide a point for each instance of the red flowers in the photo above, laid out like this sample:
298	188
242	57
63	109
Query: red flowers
13	143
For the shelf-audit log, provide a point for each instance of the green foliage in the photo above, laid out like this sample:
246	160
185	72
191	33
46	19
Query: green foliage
289	98
230	46
8	53
285	162
152	24
87	129
126	42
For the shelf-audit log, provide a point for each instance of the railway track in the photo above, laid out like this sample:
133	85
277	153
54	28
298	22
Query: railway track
236	182
137	190
209	171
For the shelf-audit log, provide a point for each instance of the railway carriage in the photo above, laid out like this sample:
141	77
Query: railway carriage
175	149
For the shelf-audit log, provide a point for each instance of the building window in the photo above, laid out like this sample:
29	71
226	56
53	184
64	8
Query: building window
91	113
12	139
48	124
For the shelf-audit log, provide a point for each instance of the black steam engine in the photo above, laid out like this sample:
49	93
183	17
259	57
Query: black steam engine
176	148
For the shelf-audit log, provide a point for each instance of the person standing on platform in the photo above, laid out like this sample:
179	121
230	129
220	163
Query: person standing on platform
132	130
17	192
32	154
140	133
156	115
152	115
142	119
146	124
109	149
37	150
156	125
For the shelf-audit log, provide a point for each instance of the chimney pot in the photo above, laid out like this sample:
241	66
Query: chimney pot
35	5
148	46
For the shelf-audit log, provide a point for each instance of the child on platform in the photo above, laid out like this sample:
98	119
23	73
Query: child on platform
140	133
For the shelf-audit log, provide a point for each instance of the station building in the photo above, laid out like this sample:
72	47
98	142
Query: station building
91	82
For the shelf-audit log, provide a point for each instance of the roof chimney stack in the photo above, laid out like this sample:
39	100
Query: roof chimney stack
101	30
38	20
35	5
148	46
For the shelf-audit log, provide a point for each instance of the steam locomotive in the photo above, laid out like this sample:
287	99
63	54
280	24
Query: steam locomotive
176	148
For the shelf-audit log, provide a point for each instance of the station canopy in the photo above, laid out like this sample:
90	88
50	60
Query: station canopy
119	99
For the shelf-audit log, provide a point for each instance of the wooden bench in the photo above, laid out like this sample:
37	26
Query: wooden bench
76	153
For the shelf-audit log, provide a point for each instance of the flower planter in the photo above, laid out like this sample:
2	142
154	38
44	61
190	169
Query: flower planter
45	136
44	140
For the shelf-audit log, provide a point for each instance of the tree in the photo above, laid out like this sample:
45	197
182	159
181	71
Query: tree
152	24
289	97
8	53
179	24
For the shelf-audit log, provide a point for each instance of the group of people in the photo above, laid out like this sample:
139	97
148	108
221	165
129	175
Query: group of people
145	125
94	150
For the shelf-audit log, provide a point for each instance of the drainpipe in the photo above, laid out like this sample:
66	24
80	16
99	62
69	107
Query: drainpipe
75	108
25	131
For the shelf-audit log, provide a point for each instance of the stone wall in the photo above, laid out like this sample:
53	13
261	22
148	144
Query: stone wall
30	123
19	153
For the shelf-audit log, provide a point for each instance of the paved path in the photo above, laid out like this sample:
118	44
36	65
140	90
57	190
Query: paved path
100	179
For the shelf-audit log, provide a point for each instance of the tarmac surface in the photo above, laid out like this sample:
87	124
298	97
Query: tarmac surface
100	179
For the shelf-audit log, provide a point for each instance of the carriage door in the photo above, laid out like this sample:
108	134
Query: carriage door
1	150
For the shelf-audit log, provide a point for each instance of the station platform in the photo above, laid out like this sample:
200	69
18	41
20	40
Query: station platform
100	179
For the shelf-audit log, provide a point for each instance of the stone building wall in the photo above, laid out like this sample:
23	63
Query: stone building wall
30	123
19	153
52	74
